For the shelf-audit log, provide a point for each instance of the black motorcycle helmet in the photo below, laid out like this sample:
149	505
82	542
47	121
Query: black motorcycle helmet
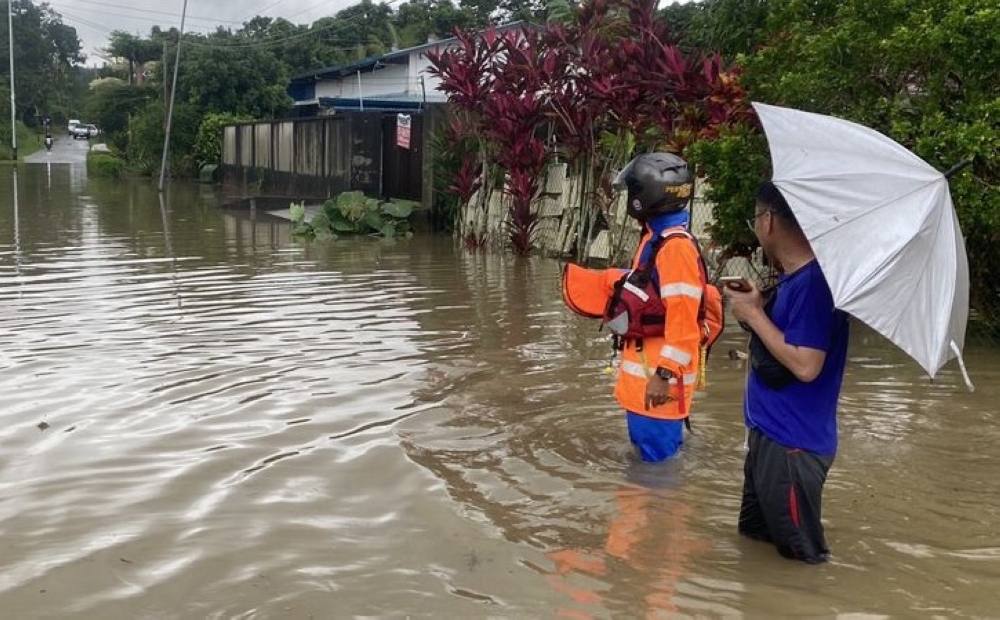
656	183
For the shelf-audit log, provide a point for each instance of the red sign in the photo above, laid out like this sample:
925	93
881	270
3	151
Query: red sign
403	131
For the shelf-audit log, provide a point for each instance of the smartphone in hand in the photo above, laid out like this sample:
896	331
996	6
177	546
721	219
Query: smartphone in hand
736	283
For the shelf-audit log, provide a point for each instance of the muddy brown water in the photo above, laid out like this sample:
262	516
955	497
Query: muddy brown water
203	418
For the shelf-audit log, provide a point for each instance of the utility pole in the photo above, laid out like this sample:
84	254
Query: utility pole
173	91
166	94
13	99
361	97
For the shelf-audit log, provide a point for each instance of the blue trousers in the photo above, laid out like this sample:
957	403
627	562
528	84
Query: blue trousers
656	439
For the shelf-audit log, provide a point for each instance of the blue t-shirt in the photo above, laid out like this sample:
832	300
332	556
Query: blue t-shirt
803	415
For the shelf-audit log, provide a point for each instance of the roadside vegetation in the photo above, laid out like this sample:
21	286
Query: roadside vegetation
105	165
353	213
921	71
28	141
48	75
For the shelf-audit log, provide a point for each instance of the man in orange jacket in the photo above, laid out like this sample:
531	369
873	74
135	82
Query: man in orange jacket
658	373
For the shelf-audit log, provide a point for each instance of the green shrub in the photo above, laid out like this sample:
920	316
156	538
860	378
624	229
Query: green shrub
145	147
354	213
734	164
208	141
28	141
105	165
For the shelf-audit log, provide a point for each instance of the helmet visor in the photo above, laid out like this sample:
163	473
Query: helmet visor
620	182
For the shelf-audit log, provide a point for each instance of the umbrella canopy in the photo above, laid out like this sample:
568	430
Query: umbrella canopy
881	223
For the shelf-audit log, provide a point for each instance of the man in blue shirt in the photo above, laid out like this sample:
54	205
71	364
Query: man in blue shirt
798	351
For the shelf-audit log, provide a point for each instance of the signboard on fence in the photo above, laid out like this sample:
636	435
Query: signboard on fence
403	131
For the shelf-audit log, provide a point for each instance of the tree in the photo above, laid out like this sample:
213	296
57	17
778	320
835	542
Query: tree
533	11
227	74
482	11
920	71
136	52
730	27
417	20
146	134
112	104
608	83
371	26
45	54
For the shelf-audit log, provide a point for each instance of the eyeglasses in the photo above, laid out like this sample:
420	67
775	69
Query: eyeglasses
752	222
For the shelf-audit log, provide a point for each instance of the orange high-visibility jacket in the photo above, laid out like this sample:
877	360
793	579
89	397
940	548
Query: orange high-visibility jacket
678	350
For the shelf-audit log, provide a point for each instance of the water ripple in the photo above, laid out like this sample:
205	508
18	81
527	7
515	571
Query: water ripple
215	422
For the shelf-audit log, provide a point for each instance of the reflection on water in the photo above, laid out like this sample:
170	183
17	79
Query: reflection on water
205	419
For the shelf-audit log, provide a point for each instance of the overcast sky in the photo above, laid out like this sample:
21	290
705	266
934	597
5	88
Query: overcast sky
95	19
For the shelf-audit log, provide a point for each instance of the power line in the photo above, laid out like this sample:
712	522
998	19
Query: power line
268	7
86	22
341	24
322	4
102	27
150	21
222	46
306	10
150	11
268	42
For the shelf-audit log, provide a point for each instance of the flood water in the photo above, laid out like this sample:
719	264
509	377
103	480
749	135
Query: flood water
203	418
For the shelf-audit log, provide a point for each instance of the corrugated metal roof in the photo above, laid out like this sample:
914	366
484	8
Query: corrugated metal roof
386	103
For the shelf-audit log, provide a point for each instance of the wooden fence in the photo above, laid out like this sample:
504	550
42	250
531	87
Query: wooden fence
318	157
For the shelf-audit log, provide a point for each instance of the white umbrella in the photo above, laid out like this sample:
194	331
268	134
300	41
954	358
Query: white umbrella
881	223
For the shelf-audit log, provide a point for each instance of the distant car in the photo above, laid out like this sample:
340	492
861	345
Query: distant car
72	125
85	131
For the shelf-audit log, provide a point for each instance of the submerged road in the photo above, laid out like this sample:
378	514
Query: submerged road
65	150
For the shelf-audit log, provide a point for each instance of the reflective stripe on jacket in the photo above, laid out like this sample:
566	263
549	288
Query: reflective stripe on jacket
677	350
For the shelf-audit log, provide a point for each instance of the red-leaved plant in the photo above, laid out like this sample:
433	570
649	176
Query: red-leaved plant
608	85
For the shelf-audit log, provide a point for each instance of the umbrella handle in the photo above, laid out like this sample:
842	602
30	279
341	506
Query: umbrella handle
961	365
957	168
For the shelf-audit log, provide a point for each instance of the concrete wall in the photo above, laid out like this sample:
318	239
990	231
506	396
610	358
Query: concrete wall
559	221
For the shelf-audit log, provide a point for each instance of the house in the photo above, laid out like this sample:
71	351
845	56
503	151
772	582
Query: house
398	81
364	126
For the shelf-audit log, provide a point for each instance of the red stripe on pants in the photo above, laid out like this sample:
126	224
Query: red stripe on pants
793	506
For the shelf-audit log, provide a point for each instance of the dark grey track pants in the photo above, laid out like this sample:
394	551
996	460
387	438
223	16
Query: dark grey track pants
782	495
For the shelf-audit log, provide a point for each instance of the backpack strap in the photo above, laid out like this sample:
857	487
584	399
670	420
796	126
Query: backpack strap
650	267
702	304
660	241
